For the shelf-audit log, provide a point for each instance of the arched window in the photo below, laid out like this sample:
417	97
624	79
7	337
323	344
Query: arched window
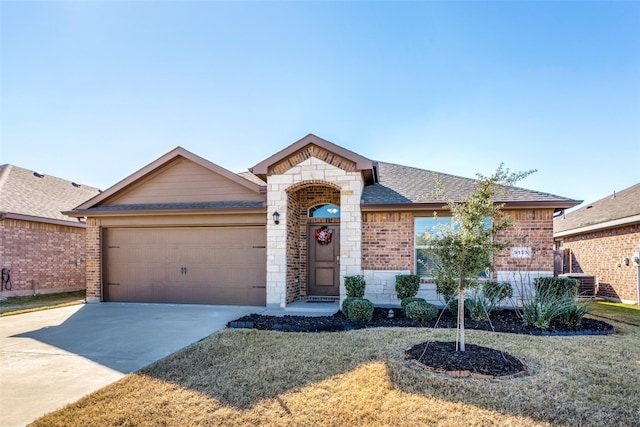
324	211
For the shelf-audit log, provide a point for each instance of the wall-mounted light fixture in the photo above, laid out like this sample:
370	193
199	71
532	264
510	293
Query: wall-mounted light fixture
276	217
625	261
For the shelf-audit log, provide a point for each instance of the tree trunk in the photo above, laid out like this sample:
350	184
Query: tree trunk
461	318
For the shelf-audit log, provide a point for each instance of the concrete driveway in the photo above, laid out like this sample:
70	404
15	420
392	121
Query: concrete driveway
54	357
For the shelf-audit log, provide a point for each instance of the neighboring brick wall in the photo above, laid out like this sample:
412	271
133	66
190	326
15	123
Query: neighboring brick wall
43	258
94	262
600	253
387	241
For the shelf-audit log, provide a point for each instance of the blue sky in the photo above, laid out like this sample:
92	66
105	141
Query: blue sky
91	91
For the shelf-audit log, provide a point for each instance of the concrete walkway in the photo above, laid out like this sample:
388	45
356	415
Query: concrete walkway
54	357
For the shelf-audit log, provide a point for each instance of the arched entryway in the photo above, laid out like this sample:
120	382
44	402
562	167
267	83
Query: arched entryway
313	241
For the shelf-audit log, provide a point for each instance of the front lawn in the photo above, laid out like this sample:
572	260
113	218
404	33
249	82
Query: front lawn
624	313
243	377
25	304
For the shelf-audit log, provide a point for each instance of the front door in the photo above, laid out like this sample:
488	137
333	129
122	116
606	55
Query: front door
324	259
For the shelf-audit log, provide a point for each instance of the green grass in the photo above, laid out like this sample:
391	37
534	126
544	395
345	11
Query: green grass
18	305
624	313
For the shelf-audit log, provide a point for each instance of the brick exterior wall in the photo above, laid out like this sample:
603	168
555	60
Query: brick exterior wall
387	241
600	253
533	229
43	258
388	249
94	261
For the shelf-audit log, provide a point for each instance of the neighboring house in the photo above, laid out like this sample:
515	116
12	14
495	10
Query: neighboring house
604	239
185	230
42	248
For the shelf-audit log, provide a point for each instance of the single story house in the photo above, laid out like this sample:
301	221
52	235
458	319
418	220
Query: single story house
603	240
42	250
185	230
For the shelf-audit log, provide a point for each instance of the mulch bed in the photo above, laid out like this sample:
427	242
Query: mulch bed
436	356
507	321
476	361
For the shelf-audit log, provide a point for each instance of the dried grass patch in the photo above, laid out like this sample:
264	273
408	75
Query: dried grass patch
248	377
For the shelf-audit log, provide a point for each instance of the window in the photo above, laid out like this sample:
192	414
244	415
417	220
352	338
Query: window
425	227
324	211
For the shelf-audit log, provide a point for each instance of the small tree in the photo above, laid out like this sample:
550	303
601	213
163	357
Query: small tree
465	249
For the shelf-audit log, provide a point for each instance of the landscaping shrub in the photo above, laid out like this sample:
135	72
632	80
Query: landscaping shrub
497	291
421	311
447	289
355	286
360	310
477	305
407	285
480	304
409	300
558	287
452	306
345	304
540	310
573	315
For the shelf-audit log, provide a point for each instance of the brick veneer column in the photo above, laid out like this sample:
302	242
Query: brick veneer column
94	266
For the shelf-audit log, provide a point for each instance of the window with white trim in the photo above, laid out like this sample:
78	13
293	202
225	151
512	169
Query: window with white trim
424	227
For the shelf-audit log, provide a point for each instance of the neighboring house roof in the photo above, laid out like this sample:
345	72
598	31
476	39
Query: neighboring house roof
404	185
31	196
618	209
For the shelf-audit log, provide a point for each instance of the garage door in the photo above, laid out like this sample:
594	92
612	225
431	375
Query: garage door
212	265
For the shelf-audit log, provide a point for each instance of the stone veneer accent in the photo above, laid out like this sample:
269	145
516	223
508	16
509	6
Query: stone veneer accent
310	172
43	258
600	253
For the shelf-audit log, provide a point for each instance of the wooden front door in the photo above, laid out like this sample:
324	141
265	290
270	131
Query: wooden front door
324	259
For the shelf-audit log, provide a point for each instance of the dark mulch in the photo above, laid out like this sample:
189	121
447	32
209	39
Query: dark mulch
478	361
507	321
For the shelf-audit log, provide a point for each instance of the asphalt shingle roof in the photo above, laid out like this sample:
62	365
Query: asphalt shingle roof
24	192
408	185
626	203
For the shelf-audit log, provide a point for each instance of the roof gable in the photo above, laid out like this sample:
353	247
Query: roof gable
600	214
409	186
313	146
178	177
28	195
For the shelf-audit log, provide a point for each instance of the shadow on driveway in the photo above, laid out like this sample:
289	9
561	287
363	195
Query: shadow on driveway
53	357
